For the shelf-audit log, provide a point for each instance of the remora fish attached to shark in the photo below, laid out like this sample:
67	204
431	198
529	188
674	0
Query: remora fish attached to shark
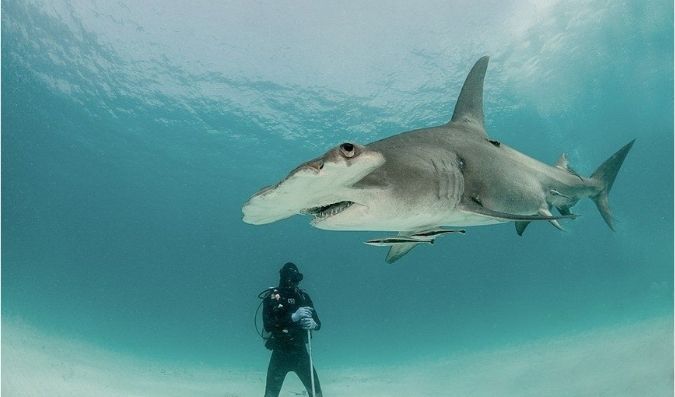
416	182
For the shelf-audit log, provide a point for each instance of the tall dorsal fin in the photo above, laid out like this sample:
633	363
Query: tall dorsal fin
469	107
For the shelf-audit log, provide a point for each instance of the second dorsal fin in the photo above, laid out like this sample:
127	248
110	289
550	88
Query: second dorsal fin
564	164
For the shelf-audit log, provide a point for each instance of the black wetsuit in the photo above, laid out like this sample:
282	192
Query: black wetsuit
287	340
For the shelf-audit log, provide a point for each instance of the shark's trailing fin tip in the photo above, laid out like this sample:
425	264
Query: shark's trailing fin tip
469	106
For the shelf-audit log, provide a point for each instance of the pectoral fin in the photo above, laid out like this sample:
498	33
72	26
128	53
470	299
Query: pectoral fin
475	206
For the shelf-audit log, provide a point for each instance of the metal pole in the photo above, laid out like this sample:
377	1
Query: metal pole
311	364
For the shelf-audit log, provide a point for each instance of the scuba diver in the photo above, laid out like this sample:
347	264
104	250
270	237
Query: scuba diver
288	318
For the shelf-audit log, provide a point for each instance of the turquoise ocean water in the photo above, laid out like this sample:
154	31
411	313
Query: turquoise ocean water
133	133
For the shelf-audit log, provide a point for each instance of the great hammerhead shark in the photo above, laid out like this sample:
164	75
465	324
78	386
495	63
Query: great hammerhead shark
418	182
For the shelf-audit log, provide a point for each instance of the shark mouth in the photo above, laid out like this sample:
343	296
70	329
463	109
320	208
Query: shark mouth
326	211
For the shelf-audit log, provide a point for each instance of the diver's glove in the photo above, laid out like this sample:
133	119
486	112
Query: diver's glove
303	312
308	323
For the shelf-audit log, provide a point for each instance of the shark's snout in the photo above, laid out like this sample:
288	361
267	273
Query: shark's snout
322	187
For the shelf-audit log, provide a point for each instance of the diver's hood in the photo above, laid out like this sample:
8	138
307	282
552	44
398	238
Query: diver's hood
289	274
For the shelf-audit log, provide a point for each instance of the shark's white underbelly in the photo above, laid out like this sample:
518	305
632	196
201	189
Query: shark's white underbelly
411	223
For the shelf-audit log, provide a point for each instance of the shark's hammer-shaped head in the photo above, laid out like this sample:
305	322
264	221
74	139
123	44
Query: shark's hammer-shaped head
322	188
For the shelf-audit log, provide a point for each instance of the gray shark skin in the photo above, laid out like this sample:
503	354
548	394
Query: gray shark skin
416	182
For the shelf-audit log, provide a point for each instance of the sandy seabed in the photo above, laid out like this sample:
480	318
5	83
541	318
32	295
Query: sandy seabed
629	360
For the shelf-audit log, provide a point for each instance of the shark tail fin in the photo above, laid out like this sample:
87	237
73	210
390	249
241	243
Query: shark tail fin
605	175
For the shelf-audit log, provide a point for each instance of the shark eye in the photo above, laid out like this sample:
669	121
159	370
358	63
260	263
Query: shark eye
347	150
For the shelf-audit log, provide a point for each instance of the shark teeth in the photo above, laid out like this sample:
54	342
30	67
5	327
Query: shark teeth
329	210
